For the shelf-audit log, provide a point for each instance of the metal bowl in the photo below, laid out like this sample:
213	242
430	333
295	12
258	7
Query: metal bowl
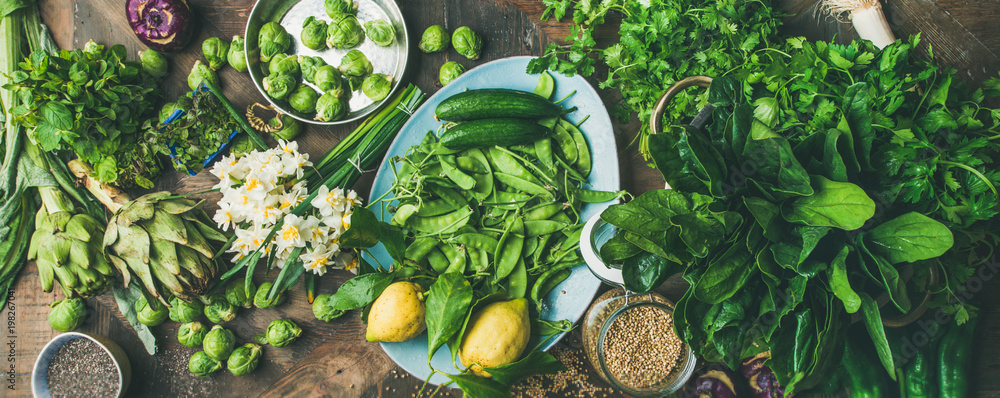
290	14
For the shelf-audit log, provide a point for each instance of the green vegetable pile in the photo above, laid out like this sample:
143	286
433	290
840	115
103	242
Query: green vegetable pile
661	42
826	174
195	135
93	102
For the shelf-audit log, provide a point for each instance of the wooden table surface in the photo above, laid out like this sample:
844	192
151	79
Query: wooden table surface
333	359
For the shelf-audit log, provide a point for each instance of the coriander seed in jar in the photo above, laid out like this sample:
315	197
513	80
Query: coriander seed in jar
630	341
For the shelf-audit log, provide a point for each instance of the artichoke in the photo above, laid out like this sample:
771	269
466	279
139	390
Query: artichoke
66	247
165	242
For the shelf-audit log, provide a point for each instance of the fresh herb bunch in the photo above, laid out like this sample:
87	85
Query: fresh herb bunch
661	42
826	173
92	101
195	135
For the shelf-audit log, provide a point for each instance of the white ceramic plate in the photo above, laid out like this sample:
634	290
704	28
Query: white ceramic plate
568	300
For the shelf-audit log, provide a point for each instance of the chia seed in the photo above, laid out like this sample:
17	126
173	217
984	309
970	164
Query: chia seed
81	368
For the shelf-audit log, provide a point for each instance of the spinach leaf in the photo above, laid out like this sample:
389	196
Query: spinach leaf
644	272
834	204
448	302
910	237
725	275
702	158
777	170
857	108
799	243
873	323
840	283
535	363
792	348
767	215
888	276
617	249
664	149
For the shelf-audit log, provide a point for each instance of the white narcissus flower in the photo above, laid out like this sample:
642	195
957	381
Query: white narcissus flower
223	216
317	259
290	234
295	164
329	201
347	261
288	146
352	200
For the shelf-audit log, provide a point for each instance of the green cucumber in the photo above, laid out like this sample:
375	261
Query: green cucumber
502	132
494	103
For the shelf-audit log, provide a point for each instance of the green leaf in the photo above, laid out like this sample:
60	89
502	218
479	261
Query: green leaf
840	283
535	363
364	230
725	275
448	302
361	290
834	204
391	237
57	114
873	323
617	249
646	271
910	237
480	387
767	215
126	298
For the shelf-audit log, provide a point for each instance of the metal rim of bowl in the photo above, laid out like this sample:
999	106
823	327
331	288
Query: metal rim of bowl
656	127
686	359
40	369
391	8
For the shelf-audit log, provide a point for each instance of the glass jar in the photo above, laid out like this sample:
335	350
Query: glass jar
630	341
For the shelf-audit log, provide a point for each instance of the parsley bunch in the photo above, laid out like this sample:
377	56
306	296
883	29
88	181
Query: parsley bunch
194	136
93	102
661	43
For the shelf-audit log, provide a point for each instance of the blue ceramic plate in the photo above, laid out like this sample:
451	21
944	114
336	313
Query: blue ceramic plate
570	299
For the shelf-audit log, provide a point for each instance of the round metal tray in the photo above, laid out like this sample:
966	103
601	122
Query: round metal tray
290	14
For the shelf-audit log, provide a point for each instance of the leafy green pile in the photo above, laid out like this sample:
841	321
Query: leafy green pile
195	135
661	42
92	101
827	173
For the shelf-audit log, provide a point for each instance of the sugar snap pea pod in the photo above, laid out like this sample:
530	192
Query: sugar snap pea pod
507	200
549	122
529	246
566	144
547	281
439	149
450	195
583	161
509	252
503	162
484	181
402	214
438	261
546	85
572	237
543	151
543	243
470	165
451	171
444	224
569	171
588	196
456	257
562	217
478	258
434	207
435	170
517	281
458	264
542	211
543	227
526	149
477	241
417	250
522	185
439	182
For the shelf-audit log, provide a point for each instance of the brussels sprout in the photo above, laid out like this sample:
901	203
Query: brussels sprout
219	309
244	359
273	40
377	86
216	52
449	71
201	72
354	82
308	65
303	99
149	316
380	32
344	32
241	145
282	332
336	8
329	80
191	334
68	314
237	295
434	39
219	343
289	129
153	62
203	365
260	298
330	107
282	64
355	63
467	42
314	33
183	311
323	308
236	56
279	86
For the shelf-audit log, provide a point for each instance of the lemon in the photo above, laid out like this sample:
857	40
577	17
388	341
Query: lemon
397	314
497	335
